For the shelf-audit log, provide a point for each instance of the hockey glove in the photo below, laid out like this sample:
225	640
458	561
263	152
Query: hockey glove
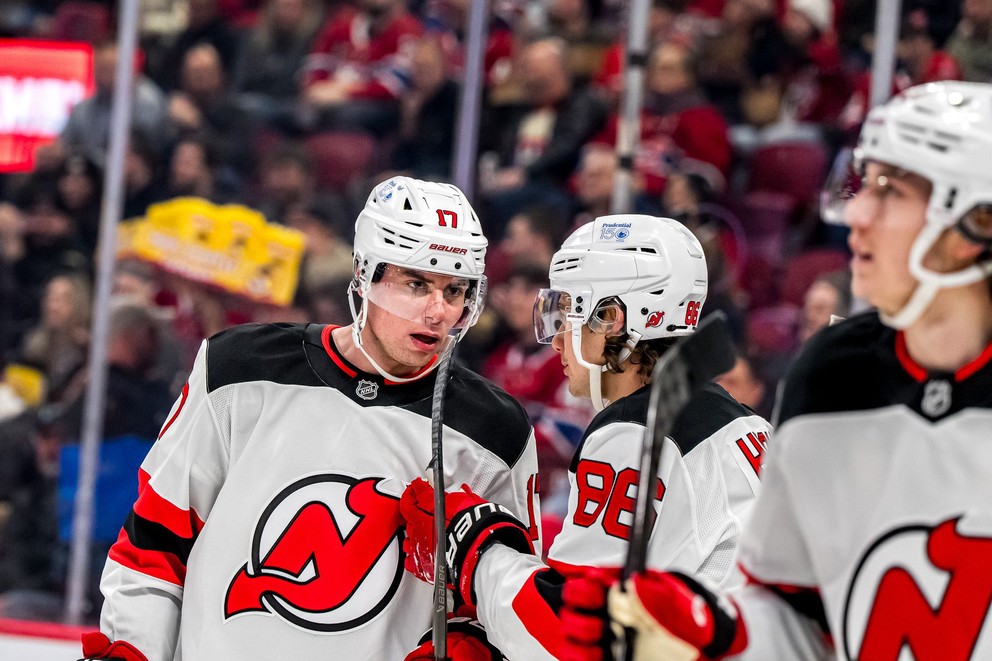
676	618
472	525
585	620
466	642
97	646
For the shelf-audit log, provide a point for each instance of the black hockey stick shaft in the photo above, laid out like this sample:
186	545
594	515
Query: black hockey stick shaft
439	618
678	375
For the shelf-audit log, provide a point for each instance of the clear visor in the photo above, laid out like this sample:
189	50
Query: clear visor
552	308
553	315
843	183
429	298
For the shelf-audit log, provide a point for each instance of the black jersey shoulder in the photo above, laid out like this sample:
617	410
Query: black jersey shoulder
485	413
709	410
258	352
849	366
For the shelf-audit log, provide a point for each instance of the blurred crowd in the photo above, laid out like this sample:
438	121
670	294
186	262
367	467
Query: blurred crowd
297	107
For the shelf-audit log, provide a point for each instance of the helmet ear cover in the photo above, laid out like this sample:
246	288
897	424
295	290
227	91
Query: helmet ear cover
609	317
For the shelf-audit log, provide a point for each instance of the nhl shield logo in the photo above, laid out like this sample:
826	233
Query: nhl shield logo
936	398
367	389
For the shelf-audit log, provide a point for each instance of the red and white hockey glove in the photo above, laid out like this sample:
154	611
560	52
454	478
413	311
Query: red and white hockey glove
97	646
467	641
585	620
472	525
676	618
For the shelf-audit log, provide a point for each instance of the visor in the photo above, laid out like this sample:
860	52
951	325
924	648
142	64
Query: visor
553	315
428	298
843	183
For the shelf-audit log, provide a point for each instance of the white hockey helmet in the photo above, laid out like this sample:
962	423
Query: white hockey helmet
421	226
653	267
943	132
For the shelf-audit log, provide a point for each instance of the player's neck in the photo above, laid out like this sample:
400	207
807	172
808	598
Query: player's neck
345	343
618	386
954	330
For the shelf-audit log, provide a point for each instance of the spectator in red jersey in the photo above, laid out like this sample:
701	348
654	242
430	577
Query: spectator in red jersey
359	66
816	85
677	121
921	60
446	20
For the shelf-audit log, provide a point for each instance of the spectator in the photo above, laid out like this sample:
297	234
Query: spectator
80	186
594	181
327	255
204	25
40	241
920	61
87	130
816	83
359	66
446	20
677	122
143	185
666	24
427	114
58	344
971	43
920	52
286	181
266	72
202	104
532	237
192	168
747	387
538	143
829	296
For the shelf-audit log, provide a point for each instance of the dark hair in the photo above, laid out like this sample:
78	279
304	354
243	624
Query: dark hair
546	221
645	355
531	273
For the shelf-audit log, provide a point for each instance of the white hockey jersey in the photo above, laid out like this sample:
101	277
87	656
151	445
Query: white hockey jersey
872	538
267	523
708	480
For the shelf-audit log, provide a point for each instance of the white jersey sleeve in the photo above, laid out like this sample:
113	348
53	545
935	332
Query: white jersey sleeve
178	481
708	481
781	605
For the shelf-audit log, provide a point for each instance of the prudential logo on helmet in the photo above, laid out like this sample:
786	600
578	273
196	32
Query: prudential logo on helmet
614	231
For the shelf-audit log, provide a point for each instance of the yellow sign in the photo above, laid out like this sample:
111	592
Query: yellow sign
229	246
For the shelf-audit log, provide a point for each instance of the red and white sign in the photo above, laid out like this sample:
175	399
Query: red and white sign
40	82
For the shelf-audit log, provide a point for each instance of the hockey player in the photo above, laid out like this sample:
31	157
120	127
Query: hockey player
623	288
267	524
872	536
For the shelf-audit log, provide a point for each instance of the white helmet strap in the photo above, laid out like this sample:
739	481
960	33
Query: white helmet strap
931	282
596	371
360	316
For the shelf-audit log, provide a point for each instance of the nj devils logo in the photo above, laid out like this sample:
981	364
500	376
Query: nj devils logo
326	555
919	589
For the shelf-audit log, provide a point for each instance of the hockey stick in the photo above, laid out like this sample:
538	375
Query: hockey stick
439	617
682	370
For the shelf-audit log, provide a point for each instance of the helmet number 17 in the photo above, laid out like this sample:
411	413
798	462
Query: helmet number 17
442	213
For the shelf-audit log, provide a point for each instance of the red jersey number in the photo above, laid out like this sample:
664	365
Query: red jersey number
602	488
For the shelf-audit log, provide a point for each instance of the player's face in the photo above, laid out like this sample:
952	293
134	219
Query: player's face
410	313
885	217
593	345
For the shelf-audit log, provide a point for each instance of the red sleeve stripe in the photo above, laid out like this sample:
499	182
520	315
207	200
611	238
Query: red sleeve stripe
569	571
805	600
158	564
182	403
537	616
153	507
